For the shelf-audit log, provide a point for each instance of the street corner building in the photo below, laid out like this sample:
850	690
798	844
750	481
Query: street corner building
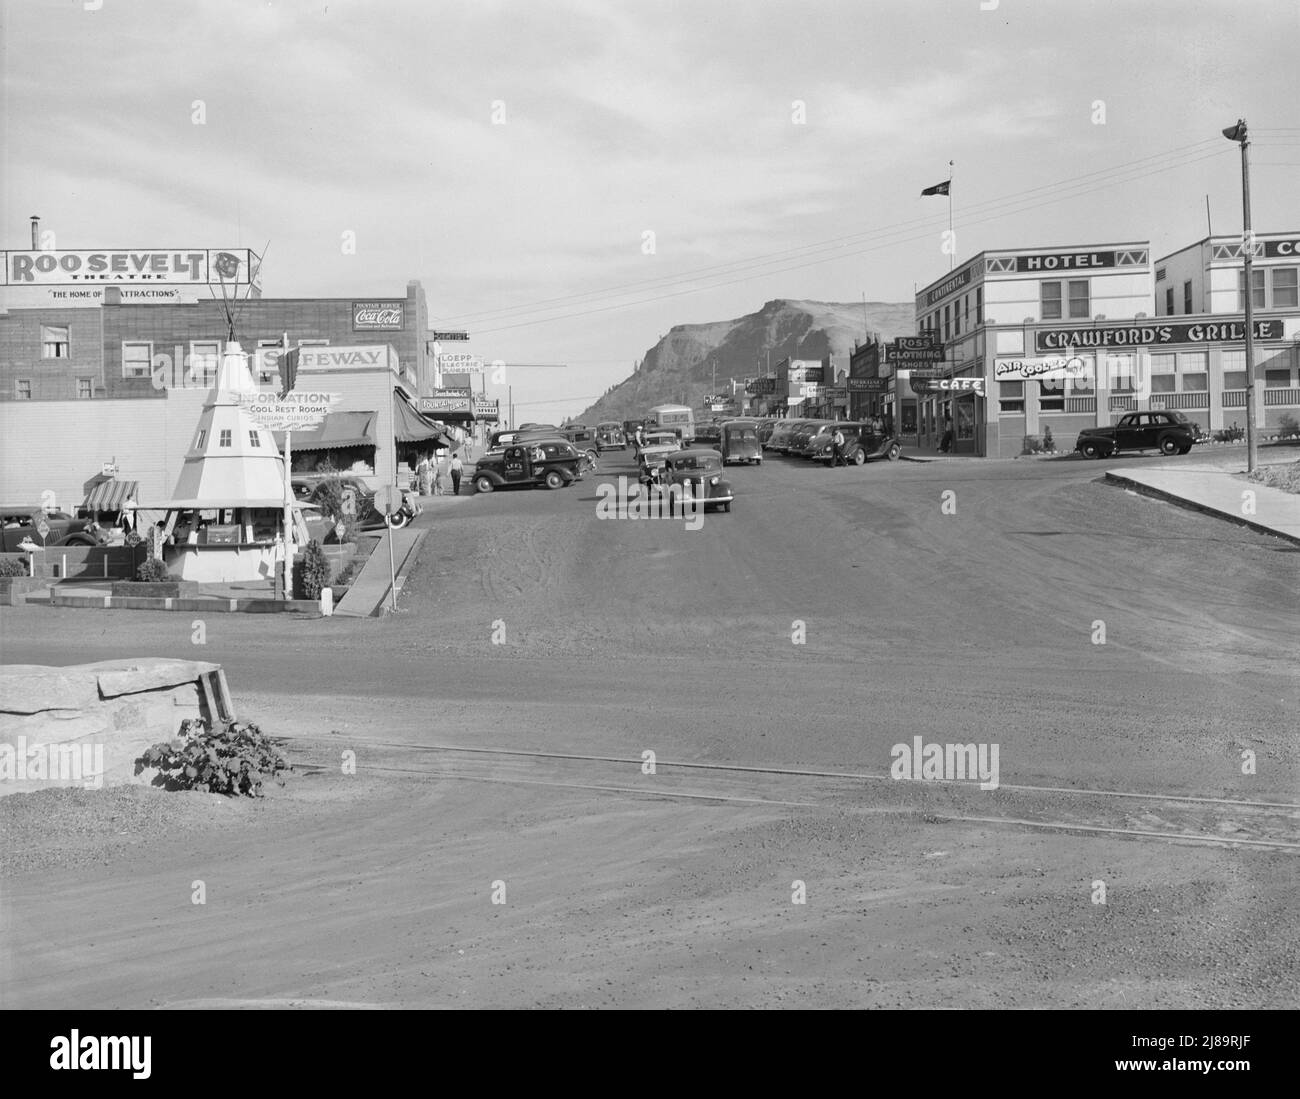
1059	339
109	356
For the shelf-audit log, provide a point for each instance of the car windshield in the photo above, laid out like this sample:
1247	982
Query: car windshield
704	463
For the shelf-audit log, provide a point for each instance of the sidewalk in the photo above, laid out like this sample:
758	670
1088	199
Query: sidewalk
1216	491
368	594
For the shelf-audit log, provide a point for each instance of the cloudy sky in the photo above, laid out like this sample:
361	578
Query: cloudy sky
514	156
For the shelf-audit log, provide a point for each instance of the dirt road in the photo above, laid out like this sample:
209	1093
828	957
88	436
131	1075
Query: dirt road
629	889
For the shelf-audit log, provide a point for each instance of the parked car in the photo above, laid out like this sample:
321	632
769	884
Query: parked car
765	429
740	442
18	524
310	488
581	438
554	463
1170	432
779	439
708	435
697	474
861	444
803	435
610	436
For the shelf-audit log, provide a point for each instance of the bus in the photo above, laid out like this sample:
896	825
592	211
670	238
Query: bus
674	417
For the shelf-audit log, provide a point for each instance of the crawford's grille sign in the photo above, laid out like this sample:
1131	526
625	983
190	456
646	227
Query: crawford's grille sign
237	266
378	316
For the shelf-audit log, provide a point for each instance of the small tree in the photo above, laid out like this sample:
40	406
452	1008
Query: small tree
154	570
311	571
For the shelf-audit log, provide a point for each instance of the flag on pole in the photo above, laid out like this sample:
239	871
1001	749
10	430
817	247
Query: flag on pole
938	188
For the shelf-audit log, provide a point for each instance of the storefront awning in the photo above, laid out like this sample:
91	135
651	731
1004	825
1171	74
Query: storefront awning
110	495
337	430
411	427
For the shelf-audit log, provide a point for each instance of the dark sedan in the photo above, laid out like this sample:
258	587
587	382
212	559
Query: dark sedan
697	475
1168	432
22	524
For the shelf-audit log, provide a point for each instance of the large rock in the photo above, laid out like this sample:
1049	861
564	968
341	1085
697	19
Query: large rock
86	724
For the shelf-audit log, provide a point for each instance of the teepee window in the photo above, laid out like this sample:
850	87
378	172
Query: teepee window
254	439
203	438
225	437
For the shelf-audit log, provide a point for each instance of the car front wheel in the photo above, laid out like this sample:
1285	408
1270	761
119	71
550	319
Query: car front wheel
1168	446
483	484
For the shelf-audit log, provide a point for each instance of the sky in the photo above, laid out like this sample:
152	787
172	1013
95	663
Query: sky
570	180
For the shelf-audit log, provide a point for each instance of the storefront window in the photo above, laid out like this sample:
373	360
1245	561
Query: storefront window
1011	396
908	418
1051	397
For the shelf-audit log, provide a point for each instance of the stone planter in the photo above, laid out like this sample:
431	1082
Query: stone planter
14	589
157	589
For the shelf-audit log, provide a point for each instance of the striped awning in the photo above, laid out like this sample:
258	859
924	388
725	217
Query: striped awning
110	495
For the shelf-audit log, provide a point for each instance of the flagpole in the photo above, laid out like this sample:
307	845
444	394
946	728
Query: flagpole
952	243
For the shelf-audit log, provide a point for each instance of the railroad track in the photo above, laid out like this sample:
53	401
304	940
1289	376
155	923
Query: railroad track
1142	815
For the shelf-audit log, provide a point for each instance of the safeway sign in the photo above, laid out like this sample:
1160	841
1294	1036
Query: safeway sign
290	412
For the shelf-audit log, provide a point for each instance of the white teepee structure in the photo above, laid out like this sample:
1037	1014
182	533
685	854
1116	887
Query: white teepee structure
233	470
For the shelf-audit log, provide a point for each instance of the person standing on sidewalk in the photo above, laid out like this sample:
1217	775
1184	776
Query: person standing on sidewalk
837	449
437	474
424	475
456	468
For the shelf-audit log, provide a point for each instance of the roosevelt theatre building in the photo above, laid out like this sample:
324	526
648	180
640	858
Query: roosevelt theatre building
1041	341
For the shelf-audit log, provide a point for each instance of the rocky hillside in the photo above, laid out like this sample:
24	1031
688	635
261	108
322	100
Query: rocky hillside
679	368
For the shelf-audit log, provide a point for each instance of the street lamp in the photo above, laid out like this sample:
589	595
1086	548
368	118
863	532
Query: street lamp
1239	134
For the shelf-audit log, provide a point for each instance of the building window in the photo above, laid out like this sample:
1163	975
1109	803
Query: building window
203	438
205	358
1277	379
1011	396
1080	302
979	305
956	318
54	341
1050	297
1196	383
1169	300
1285	294
946	324
254	439
1160	274
1162	383
22	389
1257	275
1187	296
1051	396
313	343
1234	379
85	388
225	437
136	360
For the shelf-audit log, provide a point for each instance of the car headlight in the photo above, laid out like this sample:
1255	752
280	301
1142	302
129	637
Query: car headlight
713	480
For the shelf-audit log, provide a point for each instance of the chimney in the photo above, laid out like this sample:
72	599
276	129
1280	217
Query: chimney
36	232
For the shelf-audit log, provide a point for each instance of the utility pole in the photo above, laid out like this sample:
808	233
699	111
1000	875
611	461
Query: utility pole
1241	135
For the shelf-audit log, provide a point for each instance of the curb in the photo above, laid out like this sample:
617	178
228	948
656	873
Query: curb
209	604
1142	489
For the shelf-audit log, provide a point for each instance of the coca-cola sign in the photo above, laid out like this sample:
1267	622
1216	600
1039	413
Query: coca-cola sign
378	316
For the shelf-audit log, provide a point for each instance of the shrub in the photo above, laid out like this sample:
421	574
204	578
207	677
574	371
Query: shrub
232	760
1288	426
153	571
13	566
1031	445
311	572
1049	444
